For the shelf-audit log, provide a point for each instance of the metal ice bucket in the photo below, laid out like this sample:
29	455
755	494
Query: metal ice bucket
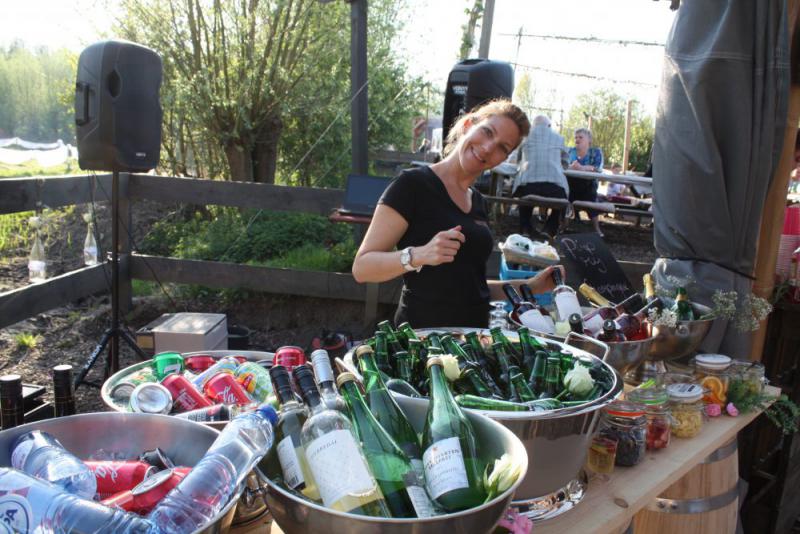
670	343
129	434
299	516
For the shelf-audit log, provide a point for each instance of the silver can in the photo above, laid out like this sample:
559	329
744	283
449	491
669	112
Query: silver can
121	392
151	397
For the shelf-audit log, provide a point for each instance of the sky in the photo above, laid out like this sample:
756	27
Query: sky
432	35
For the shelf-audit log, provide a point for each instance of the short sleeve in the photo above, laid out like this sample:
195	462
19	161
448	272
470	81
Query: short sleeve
400	194
597	160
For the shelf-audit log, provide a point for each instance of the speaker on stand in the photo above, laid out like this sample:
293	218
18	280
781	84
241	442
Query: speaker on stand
118	128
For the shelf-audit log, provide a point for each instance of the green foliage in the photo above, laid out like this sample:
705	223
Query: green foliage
142	288
32	168
36	93
607	109
312	257
27	340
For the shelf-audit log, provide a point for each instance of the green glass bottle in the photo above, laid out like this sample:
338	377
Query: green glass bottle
288	454
486	368
334	457
552	379
480	403
476	385
567	361
521	388
506	367
453	469
499	337
682	307
382	353
418	357
386	410
528	350
406	329
537	378
402	486
451	346
391	337
434	344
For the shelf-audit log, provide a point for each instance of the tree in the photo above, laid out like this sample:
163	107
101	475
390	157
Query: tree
468	29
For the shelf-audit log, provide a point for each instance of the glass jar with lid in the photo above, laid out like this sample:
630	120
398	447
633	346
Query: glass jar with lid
751	374
656	404
713	373
626	423
686	407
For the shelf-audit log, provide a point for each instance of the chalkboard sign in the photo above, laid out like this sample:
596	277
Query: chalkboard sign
588	259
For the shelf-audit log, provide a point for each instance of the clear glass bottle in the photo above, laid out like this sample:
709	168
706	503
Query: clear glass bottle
686	408
626	423
321	363
656	403
713	373
37	261
90	252
565	298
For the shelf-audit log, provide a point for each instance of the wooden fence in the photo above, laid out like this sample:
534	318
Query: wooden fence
25	194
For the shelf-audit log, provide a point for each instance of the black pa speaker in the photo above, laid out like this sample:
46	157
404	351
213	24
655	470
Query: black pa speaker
117	109
471	83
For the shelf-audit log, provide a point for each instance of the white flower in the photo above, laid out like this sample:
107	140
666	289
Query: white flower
578	380
450	364
35	222
503	475
666	318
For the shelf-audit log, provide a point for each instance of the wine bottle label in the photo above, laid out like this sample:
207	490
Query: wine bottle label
290	463
420	501
338	467
16	513
594	324
534	320
419	467
567	304
20	454
444	467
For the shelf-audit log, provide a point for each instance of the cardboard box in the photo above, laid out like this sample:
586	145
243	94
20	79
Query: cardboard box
190	332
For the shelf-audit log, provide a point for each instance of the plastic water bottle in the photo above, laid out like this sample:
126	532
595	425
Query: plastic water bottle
28	504
210	485
41	455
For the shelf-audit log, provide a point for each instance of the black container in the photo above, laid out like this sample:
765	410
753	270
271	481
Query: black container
12	407
238	337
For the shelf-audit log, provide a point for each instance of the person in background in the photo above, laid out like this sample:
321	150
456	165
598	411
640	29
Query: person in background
614	189
543	158
431	227
584	157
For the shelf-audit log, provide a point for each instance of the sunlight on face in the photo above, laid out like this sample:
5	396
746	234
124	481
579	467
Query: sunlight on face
488	143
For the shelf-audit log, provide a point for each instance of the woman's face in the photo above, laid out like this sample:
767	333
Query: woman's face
582	141
488	143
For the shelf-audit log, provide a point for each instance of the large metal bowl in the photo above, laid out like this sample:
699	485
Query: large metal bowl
129	434
670	343
299	516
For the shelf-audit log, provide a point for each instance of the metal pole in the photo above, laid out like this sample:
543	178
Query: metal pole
486	29
358	85
112	363
626	150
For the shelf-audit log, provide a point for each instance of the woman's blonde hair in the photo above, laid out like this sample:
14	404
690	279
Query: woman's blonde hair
501	107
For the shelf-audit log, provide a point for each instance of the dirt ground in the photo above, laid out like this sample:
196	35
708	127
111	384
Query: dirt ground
69	334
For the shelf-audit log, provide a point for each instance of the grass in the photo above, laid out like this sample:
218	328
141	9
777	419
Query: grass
31	168
27	340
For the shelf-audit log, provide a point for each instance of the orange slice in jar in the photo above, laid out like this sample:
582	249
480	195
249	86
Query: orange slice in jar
716	388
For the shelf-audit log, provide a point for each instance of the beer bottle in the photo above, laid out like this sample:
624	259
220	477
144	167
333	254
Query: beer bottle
382	353
11	403
529	346
499	337
63	394
521	388
552	379
480	403
391	337
537	377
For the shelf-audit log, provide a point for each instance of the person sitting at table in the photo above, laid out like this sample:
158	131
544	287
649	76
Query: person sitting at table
431	227
613	189
541	172
584	157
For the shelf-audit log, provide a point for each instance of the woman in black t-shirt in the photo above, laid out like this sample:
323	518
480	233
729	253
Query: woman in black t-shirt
439	224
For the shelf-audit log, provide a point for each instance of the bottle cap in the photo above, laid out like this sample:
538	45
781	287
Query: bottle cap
305	380
433	360
281	382
363	349
269	413
322	365
716	362
344	377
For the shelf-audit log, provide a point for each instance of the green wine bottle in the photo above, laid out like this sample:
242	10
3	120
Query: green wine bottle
528	350
415	350
451	346
382	353
434	344
552	379
476	385
402	486
288	451
682	307
481	403
386	410
402	383
537	377
567	361
391	337
335	459
521	388
453	469
485	367
506	367
406	329
499	337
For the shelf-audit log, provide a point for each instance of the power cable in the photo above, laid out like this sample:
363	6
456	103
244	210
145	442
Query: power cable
617	42
582	75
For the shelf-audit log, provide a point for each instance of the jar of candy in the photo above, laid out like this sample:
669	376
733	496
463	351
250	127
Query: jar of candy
713	373
656	404
626	423
686	407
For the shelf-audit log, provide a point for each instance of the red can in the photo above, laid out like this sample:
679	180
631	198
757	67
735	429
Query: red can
289	357
185	396
199	363
144	497
223	388
116	476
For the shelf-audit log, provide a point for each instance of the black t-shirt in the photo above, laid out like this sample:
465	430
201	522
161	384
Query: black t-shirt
450	294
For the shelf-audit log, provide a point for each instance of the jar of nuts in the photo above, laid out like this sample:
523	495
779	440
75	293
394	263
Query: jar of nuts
686	406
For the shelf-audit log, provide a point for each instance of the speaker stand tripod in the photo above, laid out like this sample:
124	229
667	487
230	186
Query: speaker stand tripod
115	332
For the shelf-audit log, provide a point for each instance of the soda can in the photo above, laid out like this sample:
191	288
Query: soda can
185	396
151	398
199	363
166	363
290	357
121	392
147	494
228	364
117	476
223	388
157	459
255	380
215	412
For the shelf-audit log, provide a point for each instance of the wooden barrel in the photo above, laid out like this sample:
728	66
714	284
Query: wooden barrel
705	500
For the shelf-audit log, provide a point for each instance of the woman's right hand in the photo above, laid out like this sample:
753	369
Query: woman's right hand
441	249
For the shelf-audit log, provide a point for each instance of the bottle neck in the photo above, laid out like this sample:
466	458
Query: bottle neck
372	375
439	390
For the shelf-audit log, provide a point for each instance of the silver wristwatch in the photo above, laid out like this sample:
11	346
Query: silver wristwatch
405	260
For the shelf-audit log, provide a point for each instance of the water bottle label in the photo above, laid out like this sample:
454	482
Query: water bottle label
16	514
338	467
290	464
20	454
444	467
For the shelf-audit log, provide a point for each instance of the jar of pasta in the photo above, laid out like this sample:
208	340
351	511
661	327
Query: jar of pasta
713	373
656	405
686	408
626	423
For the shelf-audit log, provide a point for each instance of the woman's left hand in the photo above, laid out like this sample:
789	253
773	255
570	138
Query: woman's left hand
543	281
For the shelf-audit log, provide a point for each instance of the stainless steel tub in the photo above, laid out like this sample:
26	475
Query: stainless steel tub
129	434
298	516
